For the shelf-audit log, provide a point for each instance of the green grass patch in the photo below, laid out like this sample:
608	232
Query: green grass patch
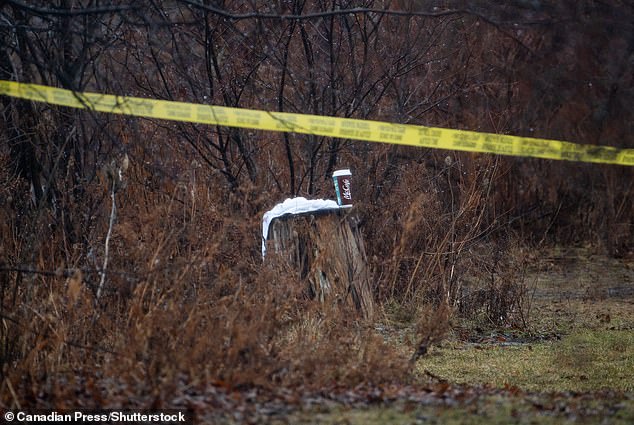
586	360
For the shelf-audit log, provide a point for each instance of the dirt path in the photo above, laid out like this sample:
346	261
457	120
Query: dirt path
576	273
572	289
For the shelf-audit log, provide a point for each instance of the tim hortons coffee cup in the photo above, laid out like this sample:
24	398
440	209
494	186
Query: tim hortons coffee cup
343	187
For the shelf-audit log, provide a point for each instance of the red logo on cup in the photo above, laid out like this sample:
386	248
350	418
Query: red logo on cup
343	187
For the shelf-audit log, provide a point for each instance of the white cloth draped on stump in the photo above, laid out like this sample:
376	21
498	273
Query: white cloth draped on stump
293	206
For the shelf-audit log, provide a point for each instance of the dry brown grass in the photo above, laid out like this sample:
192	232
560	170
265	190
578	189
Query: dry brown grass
186	301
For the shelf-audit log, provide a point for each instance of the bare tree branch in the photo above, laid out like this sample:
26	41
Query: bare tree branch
353	11
72	12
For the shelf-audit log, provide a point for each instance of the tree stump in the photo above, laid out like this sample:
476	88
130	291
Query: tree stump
326	248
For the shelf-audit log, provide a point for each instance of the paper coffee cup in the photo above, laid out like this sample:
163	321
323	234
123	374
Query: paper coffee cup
343	187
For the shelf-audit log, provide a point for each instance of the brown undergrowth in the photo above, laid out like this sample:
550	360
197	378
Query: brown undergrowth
185	299
190	302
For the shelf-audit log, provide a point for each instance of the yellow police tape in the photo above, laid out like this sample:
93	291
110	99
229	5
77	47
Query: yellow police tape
346	128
